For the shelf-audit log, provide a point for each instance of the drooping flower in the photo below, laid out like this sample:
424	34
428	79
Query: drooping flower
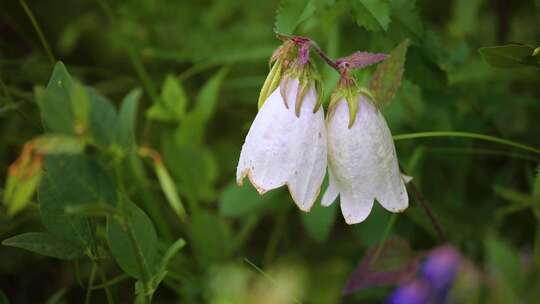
286	144
362	159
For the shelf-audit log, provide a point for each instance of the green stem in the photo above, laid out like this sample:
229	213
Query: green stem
36	26
140	261
90	284
387	230
467	135
103	276
112	281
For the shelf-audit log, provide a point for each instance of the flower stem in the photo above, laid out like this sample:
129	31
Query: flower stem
425	205
103	276
90	284
467	135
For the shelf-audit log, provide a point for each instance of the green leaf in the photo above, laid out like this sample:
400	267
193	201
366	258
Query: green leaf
193	168
319	221
171	107
169	188
211	237
508	56
374	15
103	119
406	22
387	78
167	257
22	180
72	181
126	119
124	248
91	210
240	201
536	186
46	244
464	17
55	103
503	262
193	127
58	144
291	13
424	71
80	104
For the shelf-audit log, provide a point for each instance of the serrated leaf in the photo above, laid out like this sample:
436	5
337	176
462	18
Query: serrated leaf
387	78
55	102
374	15
46	244
125	132
171	106
144	235
291	13
406	22
423	70
508	56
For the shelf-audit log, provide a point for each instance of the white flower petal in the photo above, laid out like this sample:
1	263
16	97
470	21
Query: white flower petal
364	162
406	178
283	149
355	207
331	192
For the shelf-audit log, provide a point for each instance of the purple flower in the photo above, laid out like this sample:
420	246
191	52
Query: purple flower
412	292
439	269
433	280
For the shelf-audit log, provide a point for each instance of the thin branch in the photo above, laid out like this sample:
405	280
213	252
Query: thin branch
425	205
38	30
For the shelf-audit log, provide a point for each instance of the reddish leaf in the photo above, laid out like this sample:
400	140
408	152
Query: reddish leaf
392	264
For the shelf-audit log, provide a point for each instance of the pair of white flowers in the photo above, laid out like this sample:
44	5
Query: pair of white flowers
290	143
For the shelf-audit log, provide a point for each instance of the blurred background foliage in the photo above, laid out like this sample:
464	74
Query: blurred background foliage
199	66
